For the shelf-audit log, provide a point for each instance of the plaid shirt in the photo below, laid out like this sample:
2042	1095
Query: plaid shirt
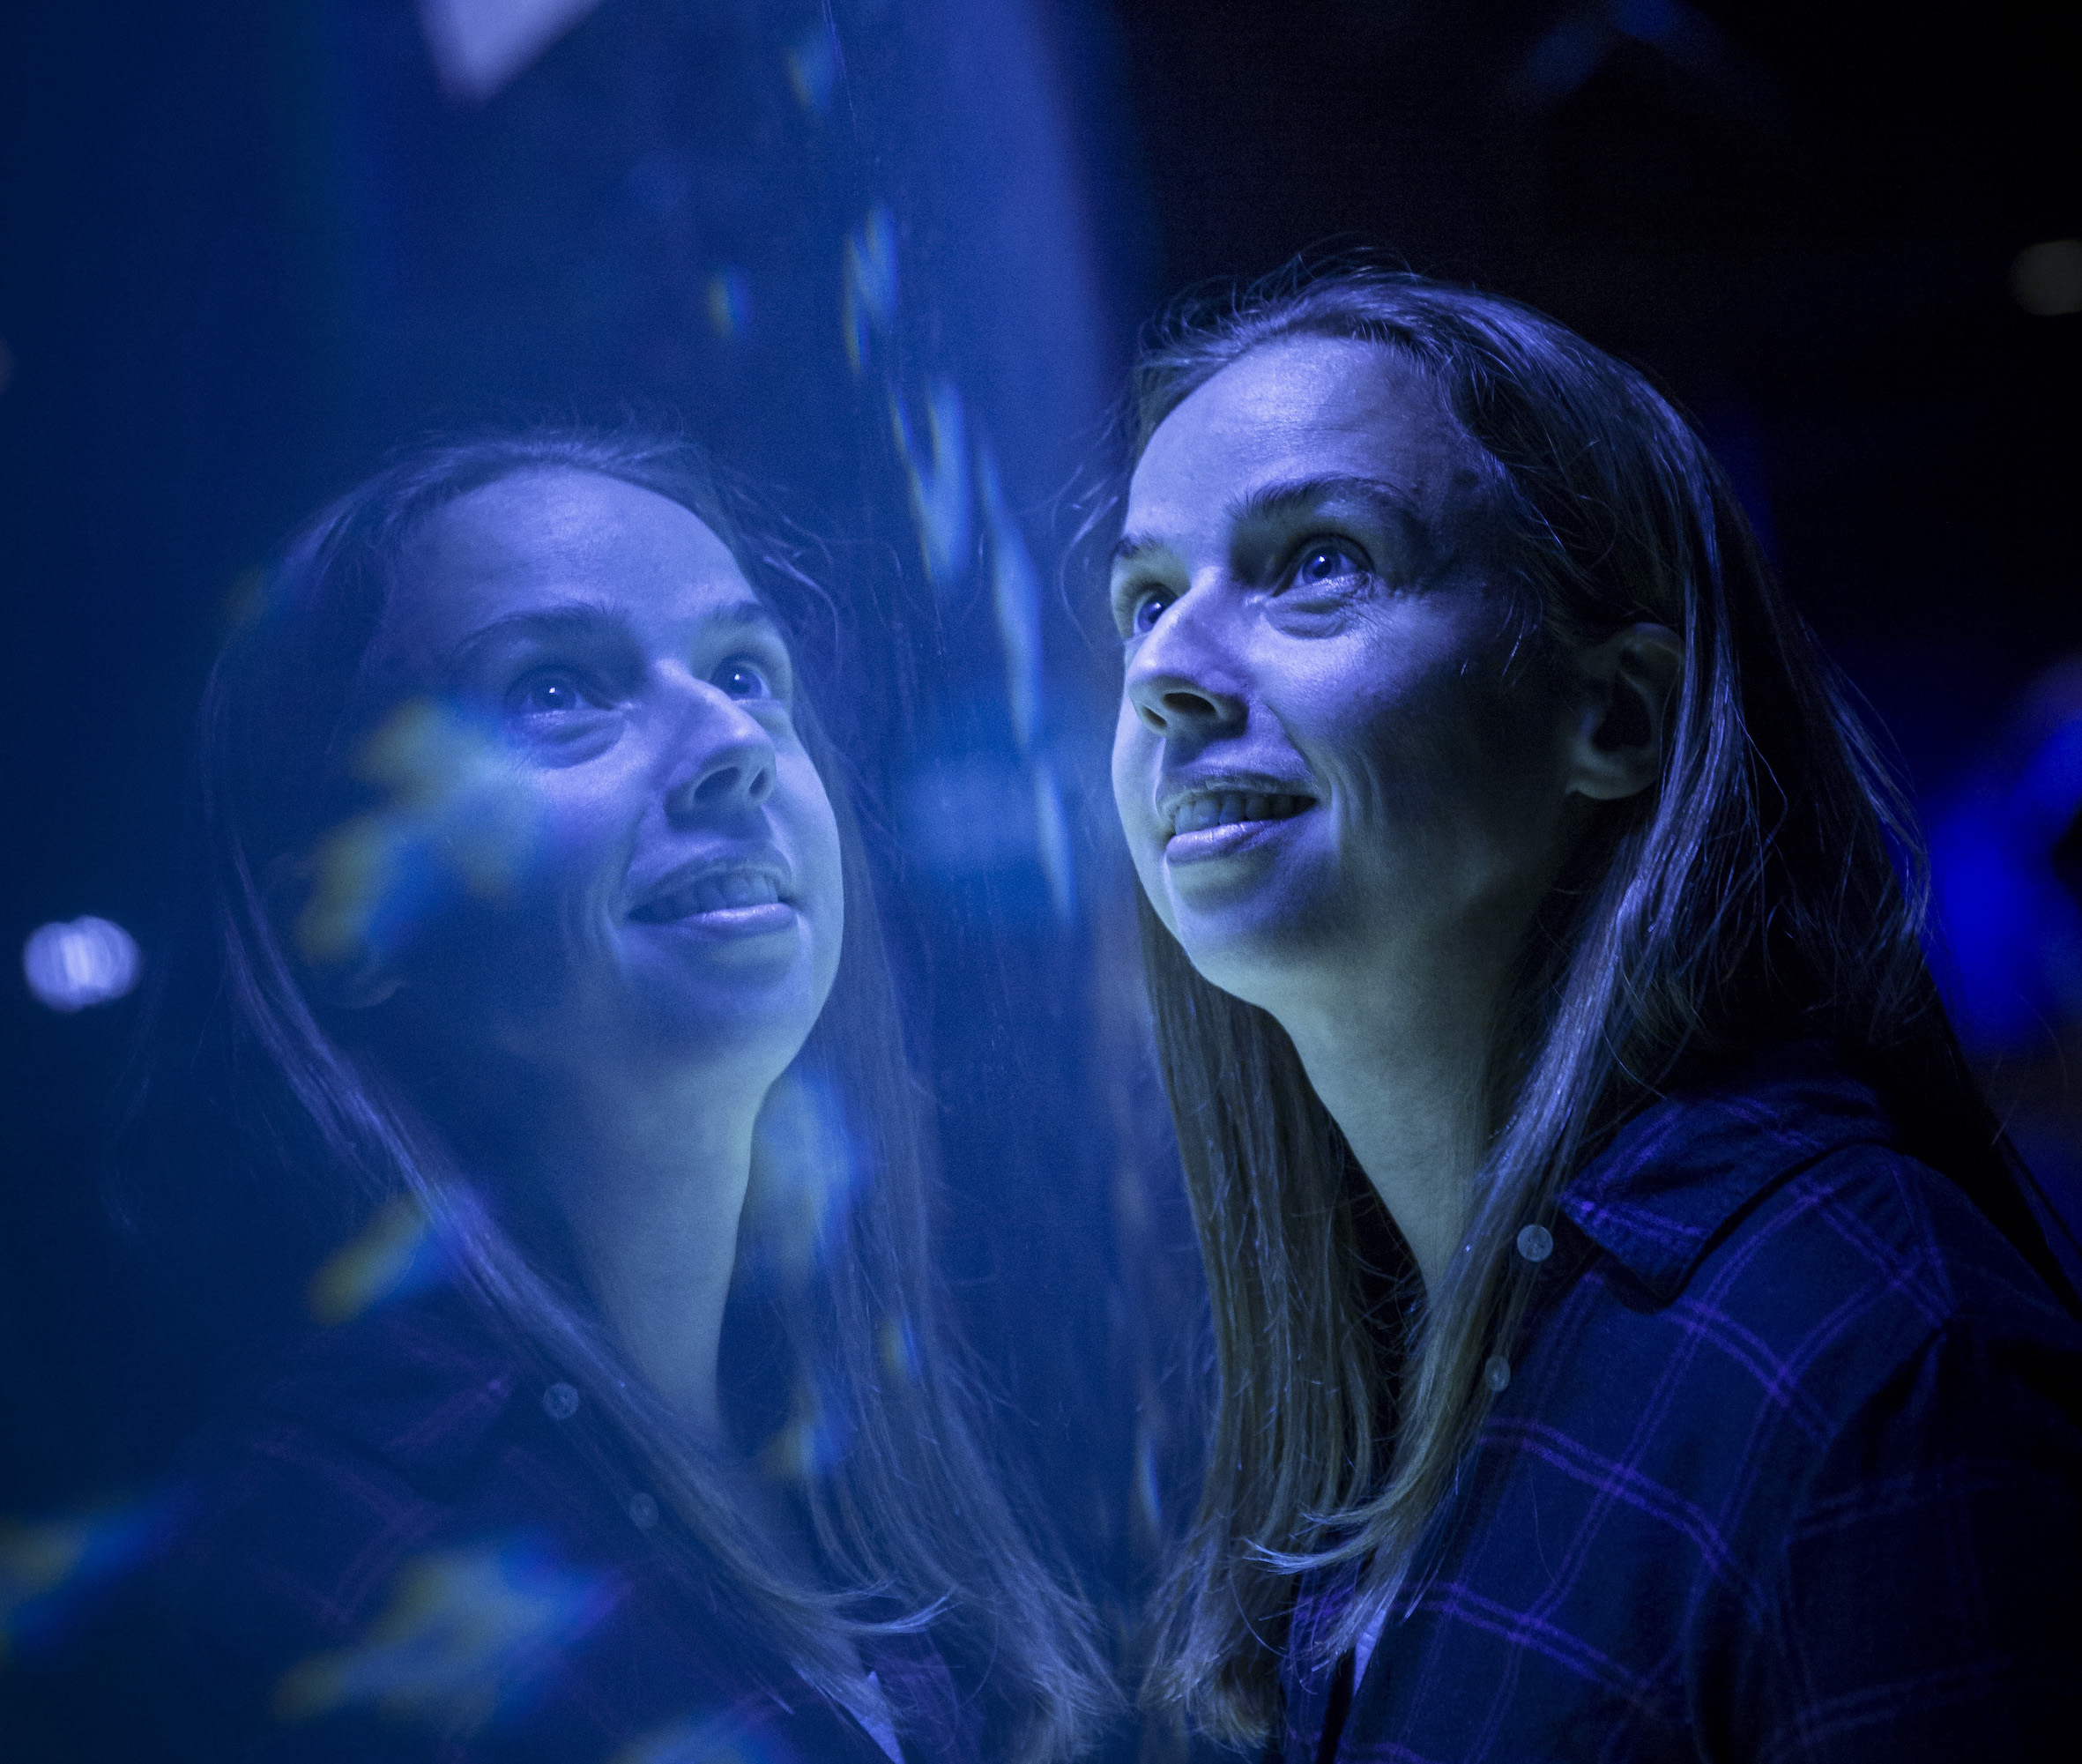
1790	1467
400	1554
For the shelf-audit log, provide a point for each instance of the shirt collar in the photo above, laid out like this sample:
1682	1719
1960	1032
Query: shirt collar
1660	1196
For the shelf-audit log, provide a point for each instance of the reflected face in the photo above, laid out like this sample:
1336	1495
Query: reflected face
627	706
1325	763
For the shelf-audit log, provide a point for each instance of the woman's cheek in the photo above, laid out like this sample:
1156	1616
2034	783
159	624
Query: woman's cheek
821	879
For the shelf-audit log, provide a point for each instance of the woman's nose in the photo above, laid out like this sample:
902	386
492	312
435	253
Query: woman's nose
1182	681
725	759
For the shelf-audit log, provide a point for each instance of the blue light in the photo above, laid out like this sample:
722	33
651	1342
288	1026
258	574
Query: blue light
88	962
813	68
457	1641
730	303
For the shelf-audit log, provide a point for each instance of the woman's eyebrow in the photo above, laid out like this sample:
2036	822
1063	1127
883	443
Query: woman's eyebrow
579	619
750	612
589	621
1135	545
1266	503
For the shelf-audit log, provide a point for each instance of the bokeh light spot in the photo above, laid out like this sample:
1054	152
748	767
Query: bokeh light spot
900	1350
453	817
394	1254
87	962
463	1636
51	1569
2046	278
479	45
869	302
730	303
722	1739
937	465
803	1167
813	1439
813	68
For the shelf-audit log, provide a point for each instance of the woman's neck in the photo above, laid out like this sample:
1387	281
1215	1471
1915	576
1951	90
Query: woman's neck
647	1185
1402	1065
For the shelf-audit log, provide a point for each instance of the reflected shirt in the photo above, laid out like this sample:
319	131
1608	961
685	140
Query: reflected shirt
1788	1467
401	1552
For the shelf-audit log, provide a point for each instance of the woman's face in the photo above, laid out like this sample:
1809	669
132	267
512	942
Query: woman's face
613	714
1329	767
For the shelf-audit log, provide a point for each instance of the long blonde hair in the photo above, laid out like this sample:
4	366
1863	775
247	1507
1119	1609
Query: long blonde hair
1752	895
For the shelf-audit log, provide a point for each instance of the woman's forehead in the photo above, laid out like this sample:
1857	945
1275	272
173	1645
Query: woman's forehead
539	537
1294	411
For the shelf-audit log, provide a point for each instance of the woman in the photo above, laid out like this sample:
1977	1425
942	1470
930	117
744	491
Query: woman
537	966
1631	1341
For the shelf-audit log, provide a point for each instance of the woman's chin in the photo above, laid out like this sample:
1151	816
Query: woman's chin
706	986
736	960
1245	960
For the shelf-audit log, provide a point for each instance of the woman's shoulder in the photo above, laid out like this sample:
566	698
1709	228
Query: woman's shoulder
1780	1198
1780	1365
1788	1284
369	1486
398	1544
343	1453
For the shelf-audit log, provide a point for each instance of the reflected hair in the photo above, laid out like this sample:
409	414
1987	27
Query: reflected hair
1767	887
259	1138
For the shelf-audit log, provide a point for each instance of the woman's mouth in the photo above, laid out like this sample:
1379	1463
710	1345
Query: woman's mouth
1221	823
1228	807
736	902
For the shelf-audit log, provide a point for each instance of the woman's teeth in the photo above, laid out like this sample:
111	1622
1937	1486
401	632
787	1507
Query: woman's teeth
712	893
1218	811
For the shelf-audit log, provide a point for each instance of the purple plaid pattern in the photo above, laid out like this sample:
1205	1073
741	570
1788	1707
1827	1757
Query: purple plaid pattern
1789	1468
397	1554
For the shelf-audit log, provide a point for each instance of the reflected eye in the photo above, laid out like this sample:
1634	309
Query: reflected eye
548	692
1145	610
741	678
1329	561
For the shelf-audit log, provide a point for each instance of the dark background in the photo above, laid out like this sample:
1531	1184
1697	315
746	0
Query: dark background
246	247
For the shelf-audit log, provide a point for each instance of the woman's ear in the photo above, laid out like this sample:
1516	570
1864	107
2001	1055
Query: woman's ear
1624	687
353	979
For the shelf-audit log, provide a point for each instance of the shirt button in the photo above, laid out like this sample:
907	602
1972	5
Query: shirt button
1535	1243
559	1402
1495	1372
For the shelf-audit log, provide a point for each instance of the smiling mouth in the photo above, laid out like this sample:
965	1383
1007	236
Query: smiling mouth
726	891
1233	807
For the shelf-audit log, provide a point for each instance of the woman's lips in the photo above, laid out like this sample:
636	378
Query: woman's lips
733	903
1224	807
1223	825
1219	823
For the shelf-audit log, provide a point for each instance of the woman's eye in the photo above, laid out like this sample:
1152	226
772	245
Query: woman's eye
547	692
1145	610
740	678
1329	561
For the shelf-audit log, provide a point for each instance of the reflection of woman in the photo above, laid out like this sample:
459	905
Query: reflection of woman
1607	1369
540	934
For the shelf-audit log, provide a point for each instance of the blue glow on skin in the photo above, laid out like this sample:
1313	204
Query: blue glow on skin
605	1028
1344	788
